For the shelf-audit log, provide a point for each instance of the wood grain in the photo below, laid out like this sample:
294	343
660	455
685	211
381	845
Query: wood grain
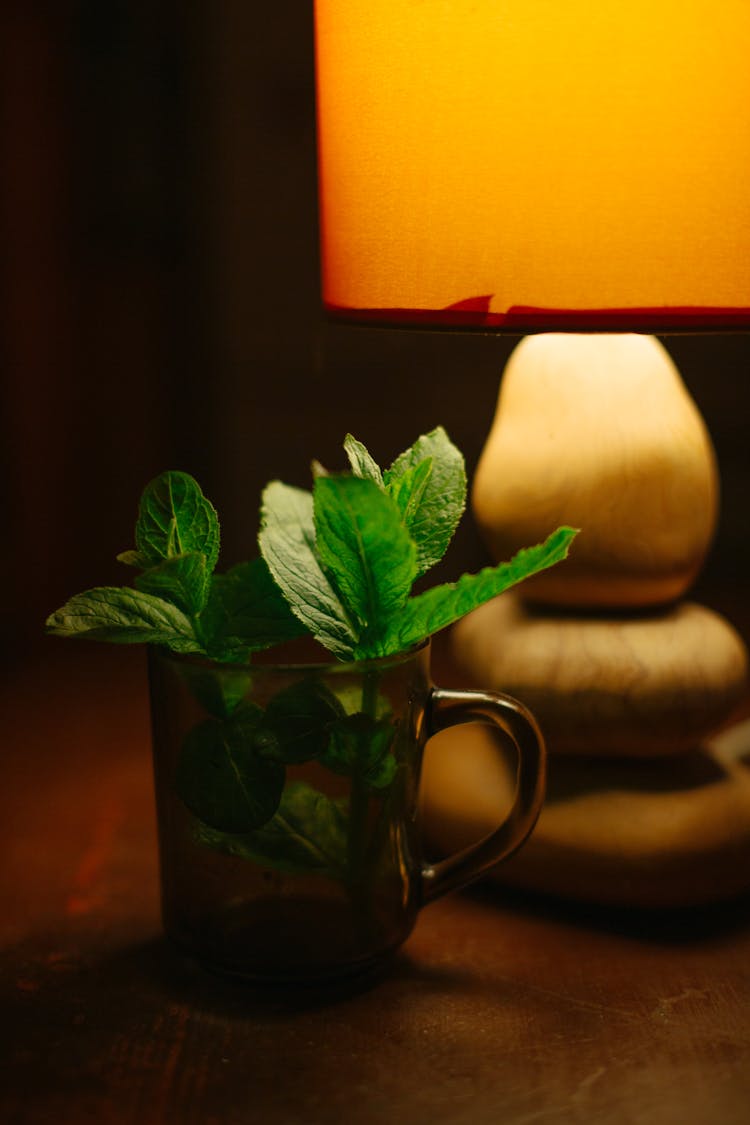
499	1008
637	685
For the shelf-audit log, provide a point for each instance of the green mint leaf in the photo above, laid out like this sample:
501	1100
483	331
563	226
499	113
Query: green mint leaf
360	744
434	518
365	548
246	612
307	834
443	605
175	518
124	616
408	491
296	723
219	691
287	543
182	579
222	781
362	464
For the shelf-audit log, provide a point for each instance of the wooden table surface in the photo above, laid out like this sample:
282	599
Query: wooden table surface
500	1009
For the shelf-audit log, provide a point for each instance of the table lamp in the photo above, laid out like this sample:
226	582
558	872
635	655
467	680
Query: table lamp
580	173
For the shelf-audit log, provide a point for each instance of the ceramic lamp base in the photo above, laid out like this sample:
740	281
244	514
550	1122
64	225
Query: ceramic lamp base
653	833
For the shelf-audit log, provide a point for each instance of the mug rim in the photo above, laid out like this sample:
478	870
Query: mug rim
323	667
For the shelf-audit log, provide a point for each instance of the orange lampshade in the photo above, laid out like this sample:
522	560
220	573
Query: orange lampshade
535	163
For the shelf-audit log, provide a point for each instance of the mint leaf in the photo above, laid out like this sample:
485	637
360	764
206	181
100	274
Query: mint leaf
246	612
360	744
175	518
296	723
364	547
306	834
124	616
443	605
434	517
182	580
219	691
362	464
287	543
408	491
222	781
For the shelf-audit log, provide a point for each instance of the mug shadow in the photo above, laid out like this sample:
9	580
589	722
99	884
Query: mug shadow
679	926
165	970
169	974
162	969
151	979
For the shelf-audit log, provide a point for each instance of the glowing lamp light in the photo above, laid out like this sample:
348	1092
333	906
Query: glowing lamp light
531	164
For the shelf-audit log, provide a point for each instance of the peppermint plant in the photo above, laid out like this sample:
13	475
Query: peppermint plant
337	562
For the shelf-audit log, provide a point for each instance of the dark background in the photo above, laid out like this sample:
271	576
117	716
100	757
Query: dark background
159	302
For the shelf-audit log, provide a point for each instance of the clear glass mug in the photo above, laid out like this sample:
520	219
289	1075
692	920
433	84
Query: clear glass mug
287	806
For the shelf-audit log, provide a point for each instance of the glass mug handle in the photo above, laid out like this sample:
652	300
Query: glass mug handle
446	709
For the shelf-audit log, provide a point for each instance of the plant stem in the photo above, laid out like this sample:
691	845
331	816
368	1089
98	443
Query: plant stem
359	805
359	798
